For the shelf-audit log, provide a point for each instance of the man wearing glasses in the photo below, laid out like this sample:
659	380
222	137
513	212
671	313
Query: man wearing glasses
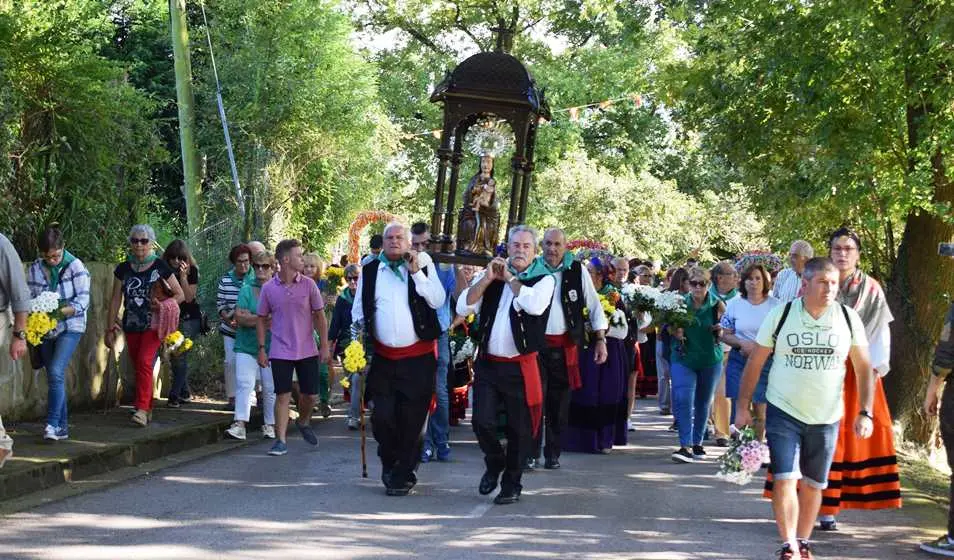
437	433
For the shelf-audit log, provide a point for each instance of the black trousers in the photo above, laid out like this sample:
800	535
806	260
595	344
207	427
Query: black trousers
556	402
498	383
401	391
947	434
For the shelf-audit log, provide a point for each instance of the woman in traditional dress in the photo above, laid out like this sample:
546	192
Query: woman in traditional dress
864	472
598	410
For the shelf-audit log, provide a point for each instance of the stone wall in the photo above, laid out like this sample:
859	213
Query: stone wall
23	390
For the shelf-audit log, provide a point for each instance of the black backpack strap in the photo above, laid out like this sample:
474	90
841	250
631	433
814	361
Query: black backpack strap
844	311
781	322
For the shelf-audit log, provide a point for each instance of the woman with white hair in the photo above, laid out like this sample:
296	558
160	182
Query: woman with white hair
143	280
789	281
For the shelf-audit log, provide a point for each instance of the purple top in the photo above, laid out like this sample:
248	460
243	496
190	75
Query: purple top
291	306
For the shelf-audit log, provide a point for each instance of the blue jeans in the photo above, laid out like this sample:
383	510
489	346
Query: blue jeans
56	355
438	426
180	364
692	393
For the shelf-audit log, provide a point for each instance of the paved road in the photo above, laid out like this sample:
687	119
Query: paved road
633	503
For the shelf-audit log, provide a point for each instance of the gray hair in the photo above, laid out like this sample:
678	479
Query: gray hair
816	265
143	229
724	268
550	230
392	225
522	228
803	248
352	269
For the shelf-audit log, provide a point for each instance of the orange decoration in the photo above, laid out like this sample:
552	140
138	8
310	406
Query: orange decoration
360	222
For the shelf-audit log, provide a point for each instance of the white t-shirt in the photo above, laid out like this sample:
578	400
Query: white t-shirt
744	318
808	371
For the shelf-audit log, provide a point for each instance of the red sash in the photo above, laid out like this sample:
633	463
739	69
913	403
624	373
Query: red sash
532	388
572	354
419	348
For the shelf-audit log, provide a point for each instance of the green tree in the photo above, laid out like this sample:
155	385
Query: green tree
77	136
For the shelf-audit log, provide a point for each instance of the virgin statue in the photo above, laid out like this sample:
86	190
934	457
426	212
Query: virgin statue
478	221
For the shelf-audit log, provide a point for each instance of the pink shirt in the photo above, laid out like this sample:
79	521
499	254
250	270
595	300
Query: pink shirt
291	306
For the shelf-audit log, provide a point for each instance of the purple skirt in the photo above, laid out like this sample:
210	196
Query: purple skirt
598	409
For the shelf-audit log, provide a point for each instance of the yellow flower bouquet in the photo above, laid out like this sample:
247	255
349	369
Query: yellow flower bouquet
177	344
354	359
43	318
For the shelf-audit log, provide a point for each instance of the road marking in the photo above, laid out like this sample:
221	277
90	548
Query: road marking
479	510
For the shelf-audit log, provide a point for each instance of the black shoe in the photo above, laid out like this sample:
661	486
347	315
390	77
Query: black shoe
722	442
828	525
173	403
698	452
530	465
488	483
507	497
682	455
551	464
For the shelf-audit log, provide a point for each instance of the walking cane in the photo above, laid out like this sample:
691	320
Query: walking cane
110	366
364	456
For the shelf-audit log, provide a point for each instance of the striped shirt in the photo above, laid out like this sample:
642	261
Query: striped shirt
226	297
73	289
787	285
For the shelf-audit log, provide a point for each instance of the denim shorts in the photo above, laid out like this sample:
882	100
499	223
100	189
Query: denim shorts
800	450
733	377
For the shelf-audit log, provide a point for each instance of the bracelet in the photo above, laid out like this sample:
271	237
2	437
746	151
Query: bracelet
866	414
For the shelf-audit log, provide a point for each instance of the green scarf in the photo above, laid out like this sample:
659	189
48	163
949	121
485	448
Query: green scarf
131	259
724	299
347	295
395	266
57	269
606	289
564	265
247	279
536	269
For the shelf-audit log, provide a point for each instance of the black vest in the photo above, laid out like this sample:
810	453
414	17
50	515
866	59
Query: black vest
529	331
572	282
424	317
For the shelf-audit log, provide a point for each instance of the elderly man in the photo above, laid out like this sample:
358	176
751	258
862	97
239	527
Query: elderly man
515	298
789	281
396	301
812	338
14	294
725	286
560	360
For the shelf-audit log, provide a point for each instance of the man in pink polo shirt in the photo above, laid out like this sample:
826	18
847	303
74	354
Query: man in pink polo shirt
295	306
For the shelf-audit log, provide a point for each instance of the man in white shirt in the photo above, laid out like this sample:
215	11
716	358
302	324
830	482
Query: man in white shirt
560	360
789	281
396	300
512	299
811	337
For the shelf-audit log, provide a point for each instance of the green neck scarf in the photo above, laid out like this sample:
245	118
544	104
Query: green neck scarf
347	295
606	289
564	265
56	270
536	269
715	292
395	266
248	278
131	259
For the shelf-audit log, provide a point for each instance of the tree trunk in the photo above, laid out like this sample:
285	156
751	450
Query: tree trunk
186	102
917	298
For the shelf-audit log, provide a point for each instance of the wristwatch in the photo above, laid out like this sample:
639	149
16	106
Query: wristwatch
864	412
20	334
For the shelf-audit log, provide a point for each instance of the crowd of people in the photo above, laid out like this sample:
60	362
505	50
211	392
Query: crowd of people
797	354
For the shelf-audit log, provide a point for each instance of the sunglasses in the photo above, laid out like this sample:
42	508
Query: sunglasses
136	240
697	284
265	266
352	278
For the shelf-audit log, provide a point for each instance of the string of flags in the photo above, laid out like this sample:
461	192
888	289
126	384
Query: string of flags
573	112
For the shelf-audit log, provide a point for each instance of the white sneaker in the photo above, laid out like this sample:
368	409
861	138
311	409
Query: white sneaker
629	426
236	430
49	432
353	423
268	431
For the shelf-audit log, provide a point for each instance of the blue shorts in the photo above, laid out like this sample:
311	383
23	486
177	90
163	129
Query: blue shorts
800	450
733	377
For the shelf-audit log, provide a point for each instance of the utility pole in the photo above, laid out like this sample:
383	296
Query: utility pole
191	187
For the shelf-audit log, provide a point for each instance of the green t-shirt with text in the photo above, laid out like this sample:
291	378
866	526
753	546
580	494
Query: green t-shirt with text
246	338
808	370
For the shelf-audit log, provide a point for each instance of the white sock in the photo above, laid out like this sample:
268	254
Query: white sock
826	517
